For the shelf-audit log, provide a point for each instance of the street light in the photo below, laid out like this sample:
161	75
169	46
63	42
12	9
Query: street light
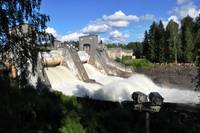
141	103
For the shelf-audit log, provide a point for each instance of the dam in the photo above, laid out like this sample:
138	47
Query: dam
88	71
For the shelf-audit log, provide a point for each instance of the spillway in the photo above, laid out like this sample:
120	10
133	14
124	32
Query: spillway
62	79
112	88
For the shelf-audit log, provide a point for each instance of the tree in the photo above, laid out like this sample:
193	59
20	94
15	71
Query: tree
161	42
153	41
196	37
197	53
173	41
19	42
137	48
187	44
111	45
197	24
146	46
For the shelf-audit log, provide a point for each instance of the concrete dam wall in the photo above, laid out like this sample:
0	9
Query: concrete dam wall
100	59
63	56
73	62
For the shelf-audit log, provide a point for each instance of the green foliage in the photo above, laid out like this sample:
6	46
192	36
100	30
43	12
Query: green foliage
136	46
161	41
197	24
146	46
173	40
198	71
187	44
111	45
27	110
135	63
154	42
32	111
22	29
162	45
141	63
71	124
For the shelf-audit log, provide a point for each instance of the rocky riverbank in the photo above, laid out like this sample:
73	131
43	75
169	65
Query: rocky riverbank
180	76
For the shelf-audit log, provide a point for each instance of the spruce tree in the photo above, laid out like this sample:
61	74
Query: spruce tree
146	46
196	37
161	42
197	49
153	42
197	24
187	43
173	41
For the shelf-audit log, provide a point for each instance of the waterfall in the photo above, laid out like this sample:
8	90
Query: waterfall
113	88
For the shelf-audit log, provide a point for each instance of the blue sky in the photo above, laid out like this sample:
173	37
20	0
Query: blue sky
113	20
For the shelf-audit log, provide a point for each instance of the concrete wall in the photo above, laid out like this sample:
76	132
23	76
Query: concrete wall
106	65
73	62
100	59
92	40
57	44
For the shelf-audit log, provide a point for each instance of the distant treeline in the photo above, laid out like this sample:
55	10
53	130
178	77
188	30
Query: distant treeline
175	43
137	47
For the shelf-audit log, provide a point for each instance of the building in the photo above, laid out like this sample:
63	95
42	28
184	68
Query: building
115	53
88	43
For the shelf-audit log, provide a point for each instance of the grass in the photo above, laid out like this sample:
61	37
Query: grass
135	63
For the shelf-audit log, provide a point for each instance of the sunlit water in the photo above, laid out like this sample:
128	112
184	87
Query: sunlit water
113	88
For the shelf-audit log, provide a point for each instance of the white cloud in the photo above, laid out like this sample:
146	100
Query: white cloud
119	23
115	20
119	15
71	37
117	36
52	31
182	1
96	28
183	8
186	9
174	18
105	24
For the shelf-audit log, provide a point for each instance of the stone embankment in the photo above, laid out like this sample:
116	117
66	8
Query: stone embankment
182	76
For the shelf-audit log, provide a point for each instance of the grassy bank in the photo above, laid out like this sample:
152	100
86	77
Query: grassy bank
135	63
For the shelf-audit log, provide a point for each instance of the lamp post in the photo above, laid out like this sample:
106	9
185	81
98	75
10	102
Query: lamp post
141	103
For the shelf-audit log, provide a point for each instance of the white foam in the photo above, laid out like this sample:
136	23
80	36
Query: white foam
83	56
114	88
63	80
94	73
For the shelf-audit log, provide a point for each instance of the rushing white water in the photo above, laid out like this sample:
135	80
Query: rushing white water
93	73
113	88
